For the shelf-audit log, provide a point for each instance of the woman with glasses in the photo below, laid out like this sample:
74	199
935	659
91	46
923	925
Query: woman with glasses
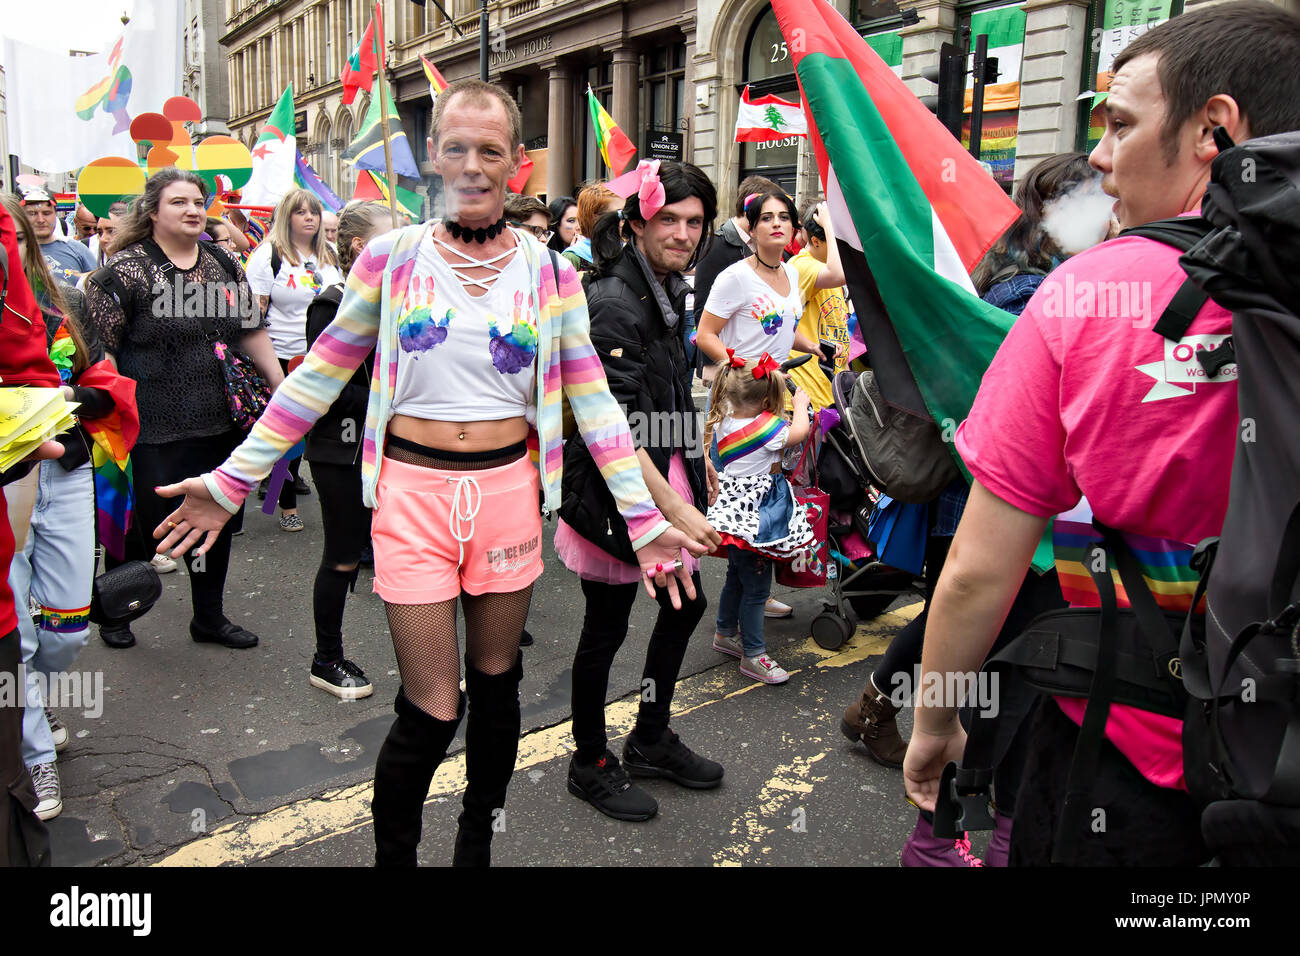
529	212
286	273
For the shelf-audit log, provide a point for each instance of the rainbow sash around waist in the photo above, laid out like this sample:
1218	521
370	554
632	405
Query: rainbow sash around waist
749	439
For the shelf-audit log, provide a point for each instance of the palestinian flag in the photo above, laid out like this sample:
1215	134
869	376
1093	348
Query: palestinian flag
367	149
899	185
768	118
373	186
273	156
616	149
436	82
359	70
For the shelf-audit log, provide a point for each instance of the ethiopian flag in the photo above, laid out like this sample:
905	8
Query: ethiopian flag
615	147
900	186
273	156
436	82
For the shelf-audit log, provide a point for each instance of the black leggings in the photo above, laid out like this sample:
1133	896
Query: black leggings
346	522
604	628
167	464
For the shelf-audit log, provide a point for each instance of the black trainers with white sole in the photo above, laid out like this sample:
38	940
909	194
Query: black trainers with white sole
343	679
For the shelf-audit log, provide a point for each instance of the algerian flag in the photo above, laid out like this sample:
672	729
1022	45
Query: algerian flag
768	118
273	156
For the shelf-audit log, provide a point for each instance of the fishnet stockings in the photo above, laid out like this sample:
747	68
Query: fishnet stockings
428	653
409	457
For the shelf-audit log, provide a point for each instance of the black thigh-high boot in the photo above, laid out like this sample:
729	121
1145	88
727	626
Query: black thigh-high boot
491	745
417	742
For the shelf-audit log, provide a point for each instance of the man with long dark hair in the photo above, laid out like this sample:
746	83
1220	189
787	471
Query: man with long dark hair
636	304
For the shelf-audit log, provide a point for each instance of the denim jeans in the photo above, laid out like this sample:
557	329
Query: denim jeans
749	582
55	567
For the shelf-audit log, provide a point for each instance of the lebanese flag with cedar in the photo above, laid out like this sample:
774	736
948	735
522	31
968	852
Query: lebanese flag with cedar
768	118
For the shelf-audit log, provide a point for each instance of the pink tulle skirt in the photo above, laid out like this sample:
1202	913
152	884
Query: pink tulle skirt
592	564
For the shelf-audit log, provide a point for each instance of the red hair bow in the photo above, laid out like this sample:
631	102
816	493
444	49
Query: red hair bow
765	365
734	360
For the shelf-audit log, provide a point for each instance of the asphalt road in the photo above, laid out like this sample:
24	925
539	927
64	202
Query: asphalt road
207	756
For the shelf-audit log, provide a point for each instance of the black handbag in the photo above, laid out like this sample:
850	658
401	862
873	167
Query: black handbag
125	593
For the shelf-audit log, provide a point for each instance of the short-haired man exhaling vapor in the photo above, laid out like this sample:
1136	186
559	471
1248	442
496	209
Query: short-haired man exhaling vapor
1082	415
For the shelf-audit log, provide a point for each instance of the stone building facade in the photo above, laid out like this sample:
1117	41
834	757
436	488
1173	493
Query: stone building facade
670	72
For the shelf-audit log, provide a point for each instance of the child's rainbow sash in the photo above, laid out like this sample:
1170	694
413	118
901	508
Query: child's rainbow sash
753	436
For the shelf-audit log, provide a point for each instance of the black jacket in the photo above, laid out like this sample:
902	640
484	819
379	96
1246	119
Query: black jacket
336	437
725	249
645	365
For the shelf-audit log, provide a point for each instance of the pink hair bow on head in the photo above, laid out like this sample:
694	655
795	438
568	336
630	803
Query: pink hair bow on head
644	182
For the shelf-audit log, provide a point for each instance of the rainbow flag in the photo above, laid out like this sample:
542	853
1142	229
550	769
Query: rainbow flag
307	178
753	436
436	81
616	149
114	435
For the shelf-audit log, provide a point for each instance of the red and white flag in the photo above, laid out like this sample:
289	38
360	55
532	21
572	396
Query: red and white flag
768	118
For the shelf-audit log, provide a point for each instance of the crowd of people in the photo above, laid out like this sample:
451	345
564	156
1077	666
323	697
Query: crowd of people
452	376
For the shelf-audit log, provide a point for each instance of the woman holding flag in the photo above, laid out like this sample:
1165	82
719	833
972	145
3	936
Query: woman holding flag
477	337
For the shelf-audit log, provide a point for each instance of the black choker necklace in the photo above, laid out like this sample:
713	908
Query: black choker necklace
480	235
765	265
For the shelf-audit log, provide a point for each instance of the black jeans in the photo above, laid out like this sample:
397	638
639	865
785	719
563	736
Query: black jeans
289	497
167	464
23	838
604	627
346	522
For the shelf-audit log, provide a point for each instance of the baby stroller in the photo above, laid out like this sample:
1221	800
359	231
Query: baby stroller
860	587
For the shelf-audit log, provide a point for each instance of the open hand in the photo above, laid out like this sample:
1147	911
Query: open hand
199	518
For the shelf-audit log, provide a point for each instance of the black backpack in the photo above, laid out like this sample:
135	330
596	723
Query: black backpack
1241	662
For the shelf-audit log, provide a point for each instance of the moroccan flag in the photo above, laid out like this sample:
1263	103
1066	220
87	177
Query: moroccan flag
768	118
901	188
359	70
367	149
436	82
273	156
616	149
374	187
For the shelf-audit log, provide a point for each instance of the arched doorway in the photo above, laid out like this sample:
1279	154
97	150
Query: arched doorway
768	69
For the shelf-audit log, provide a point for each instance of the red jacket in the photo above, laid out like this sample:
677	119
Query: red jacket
23	361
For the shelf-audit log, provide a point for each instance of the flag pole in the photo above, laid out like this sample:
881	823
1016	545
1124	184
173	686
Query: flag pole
383	118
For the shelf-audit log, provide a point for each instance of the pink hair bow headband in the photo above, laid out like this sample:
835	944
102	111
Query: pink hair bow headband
644	182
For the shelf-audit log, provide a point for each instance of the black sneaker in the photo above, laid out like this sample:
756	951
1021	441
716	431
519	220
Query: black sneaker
672	759
227	634
606	787
300	487
343	679
525	639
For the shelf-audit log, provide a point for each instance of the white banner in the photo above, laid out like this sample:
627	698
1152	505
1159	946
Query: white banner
65	111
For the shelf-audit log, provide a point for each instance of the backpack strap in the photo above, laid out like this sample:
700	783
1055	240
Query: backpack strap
276	262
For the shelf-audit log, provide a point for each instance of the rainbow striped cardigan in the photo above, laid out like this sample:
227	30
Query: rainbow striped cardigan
368	315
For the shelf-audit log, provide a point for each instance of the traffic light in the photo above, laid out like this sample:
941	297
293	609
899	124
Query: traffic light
950	77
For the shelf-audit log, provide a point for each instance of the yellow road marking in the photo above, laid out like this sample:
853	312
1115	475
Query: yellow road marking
345	809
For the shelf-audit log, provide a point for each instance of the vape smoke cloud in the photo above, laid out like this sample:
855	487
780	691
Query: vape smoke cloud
1079	218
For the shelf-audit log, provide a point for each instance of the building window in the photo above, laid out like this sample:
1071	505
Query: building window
663	82
601	80
867	14
769	70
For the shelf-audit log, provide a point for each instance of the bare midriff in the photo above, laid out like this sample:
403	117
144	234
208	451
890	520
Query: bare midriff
460	436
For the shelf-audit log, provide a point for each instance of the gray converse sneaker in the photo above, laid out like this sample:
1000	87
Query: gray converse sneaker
763	668
58	731
728	645
49	795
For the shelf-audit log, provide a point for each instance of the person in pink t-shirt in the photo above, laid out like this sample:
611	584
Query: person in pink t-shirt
1086	411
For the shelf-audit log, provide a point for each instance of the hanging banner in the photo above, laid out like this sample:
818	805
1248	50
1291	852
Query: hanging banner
64	111
1005	27
1122	22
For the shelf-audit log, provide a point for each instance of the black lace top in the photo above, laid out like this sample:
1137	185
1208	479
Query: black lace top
160	343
